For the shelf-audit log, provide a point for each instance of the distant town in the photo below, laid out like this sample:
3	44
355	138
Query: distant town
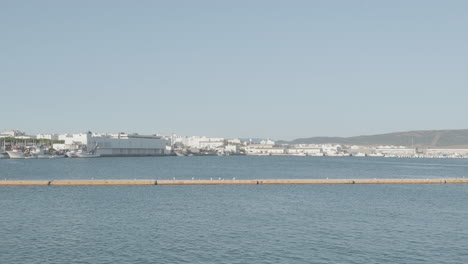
19	145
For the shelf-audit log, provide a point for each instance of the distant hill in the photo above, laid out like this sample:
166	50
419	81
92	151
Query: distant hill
424	138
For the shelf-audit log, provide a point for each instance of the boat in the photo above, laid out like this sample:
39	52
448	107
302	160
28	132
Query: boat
16	153
180	154
81	154
84	154
36	153
56	156
3	154
70	154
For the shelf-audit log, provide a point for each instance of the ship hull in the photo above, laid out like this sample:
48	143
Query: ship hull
16	154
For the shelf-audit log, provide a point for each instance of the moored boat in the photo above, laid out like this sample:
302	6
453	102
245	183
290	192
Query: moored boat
16	153
180	153
87	155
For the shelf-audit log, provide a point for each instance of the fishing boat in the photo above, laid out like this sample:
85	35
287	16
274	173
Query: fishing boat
81	154
180	153
84	154
16	153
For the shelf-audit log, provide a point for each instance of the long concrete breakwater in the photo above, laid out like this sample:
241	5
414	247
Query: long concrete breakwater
228	182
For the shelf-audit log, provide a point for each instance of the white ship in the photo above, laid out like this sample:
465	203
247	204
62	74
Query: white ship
16	153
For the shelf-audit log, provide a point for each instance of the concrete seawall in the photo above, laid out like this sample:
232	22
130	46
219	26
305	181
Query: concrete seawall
227	182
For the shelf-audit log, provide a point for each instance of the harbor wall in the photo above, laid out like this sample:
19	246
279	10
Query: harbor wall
228	182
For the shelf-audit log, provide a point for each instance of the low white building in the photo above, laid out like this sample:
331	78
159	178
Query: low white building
267	142
199	142
313	151
13	133
231	149
396	151
118	144
211	144
63	136
263	149
446	152
47	136
234	141
331	149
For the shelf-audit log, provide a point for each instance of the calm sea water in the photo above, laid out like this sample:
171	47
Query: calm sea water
234	224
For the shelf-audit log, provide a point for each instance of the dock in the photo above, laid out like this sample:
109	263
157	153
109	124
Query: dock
228	182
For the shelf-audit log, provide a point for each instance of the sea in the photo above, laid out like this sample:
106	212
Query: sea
234	224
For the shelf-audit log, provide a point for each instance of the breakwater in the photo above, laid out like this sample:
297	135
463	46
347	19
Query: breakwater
228	182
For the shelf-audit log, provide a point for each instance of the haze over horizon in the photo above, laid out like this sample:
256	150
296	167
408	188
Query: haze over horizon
266	69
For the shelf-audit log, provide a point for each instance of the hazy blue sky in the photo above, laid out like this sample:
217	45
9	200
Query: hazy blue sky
278	69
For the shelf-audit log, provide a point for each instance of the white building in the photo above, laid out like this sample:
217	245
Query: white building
446	152
199	142
312	151
231	149
118	144
396	151
234	141
263	149
211	143
331	149
267	142
13	133
64	136
48	136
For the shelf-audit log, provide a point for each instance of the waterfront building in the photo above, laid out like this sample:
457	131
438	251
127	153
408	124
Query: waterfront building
267	142
197	142
438	152
329	149
63	136
399	151
13	134
234	141
120	144
47	136
232	149
263	149
211	143
307	150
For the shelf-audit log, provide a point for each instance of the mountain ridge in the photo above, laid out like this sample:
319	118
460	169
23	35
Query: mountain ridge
418	138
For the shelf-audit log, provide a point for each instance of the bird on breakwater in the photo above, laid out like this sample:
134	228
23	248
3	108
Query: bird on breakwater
211	178
173	178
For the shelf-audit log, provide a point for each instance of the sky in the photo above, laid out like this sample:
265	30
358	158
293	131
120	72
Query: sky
267	69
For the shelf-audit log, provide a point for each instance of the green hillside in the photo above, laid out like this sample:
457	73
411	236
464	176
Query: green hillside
427	138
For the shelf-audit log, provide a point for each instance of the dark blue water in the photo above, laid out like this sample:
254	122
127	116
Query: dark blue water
234	224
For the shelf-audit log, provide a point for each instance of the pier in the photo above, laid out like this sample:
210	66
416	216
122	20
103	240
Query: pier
228	182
